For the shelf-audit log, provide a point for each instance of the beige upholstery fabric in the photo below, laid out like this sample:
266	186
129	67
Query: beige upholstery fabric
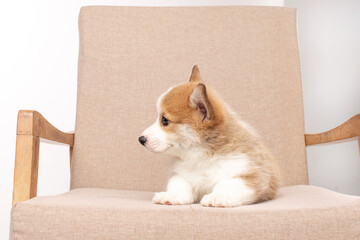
299	212
130	55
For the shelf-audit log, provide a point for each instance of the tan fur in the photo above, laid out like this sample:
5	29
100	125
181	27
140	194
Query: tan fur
223	134
263	176
195	75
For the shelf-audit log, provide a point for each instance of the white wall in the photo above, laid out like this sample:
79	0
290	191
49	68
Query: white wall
38	59
329	39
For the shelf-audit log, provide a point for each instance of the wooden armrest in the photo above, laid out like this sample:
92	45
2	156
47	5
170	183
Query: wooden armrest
349	129
33	123
31	126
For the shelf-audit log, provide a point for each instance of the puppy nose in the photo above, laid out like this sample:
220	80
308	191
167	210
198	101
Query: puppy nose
142	140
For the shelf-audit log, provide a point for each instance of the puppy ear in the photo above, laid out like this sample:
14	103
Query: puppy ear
199	101
195	75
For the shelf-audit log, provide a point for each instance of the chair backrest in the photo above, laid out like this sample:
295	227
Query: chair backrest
130	55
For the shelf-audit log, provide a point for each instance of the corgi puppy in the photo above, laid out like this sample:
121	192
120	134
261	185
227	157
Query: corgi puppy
222	162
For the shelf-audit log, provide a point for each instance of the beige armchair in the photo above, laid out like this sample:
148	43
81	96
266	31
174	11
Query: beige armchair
130	55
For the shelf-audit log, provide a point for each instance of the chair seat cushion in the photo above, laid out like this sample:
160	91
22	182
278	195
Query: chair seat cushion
298	212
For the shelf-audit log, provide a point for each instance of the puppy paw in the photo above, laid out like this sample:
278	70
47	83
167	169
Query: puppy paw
220	200
169	198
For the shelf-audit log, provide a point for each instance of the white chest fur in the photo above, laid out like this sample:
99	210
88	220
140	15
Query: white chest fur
204	172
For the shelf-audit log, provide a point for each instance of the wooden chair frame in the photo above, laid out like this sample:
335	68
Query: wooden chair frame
31	126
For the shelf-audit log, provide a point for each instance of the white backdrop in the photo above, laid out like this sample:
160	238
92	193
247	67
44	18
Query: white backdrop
38	59
329	37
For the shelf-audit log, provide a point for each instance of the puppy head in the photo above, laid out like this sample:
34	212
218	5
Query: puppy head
185	113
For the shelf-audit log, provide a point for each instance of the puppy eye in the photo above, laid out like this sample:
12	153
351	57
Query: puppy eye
164	121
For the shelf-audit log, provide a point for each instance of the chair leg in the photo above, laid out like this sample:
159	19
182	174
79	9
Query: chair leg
26	167
71	154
